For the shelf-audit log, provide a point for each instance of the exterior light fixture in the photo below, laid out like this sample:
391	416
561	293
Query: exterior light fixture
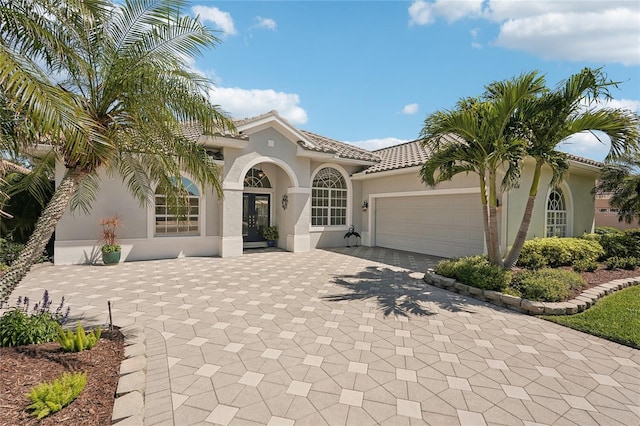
365	205
260	172
285	201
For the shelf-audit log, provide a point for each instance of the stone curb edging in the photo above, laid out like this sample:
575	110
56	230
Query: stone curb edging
580	303
128	407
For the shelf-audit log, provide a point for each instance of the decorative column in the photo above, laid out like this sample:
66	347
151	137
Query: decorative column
300	205
231	239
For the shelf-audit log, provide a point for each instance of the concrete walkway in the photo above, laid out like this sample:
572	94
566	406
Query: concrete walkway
345	336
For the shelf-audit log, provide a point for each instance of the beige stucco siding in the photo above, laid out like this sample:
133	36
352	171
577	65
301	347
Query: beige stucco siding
576	188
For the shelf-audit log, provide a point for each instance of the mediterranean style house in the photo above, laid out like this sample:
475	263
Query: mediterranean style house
313	189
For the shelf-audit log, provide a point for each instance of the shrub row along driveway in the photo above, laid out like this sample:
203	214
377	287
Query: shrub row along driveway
344	336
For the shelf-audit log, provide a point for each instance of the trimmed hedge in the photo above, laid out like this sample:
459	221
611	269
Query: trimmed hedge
547	285
554	252
475	271
623	244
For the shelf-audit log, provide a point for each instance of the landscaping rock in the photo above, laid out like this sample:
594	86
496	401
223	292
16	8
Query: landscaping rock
475	291
135	350
131	365
534	308
554	309
570	308
461	288
447	282
492	295
511	300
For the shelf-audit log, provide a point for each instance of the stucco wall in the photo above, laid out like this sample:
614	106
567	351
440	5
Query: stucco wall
576	188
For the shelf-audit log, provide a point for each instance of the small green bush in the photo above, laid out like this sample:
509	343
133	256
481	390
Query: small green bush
615	262
78	341
546	285
559	251
9	251
606	230
48	398
475	271
20	326
532	260
622	244
585	265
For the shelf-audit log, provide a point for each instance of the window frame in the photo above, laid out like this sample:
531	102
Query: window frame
554	215
199	214
333	202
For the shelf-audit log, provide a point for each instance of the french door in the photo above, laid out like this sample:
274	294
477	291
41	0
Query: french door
255	216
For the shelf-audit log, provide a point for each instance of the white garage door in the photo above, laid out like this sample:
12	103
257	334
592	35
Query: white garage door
439	225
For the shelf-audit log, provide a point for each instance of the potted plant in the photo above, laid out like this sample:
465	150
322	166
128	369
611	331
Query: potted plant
110	249
270	234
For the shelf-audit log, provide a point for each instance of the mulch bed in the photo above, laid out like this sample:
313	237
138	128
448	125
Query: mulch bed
603	275
23	367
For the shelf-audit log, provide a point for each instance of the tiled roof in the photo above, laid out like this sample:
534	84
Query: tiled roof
341	149
585	160
192	130
412	154
407	154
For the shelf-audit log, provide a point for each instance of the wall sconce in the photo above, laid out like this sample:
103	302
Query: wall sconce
365	205
285	201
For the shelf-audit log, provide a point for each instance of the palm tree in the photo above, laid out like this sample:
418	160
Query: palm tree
107	87
620	178
546	120
477	137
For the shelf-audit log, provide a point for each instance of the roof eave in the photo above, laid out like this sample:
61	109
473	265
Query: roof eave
374	175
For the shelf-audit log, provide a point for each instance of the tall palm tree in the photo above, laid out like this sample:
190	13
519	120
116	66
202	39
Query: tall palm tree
477	137
107	86
546	120
621	179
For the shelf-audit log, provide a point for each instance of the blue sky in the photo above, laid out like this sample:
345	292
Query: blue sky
369	72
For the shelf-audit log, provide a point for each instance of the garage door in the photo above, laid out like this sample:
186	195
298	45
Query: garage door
440	225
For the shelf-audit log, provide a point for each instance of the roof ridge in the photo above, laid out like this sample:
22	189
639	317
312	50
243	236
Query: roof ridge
397	145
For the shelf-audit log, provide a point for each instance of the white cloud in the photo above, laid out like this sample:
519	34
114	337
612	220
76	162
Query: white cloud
373	144
628	104
410	109
243	103
587	145
424	12
599	31
222	20
266	23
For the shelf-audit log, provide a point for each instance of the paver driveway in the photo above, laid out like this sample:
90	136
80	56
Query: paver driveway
345	336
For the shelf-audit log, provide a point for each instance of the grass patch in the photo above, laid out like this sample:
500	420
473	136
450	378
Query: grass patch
615	317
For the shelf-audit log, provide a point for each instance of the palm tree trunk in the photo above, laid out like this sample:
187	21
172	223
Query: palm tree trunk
493	246
485	209
44	228
521	236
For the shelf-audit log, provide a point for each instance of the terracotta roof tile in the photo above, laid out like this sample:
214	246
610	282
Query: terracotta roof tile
192	130
341	149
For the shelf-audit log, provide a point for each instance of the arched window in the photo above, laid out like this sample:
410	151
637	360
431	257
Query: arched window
172	220
329	198
256	178
556	214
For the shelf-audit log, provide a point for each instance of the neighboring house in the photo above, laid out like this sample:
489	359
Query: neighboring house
313	188
605	215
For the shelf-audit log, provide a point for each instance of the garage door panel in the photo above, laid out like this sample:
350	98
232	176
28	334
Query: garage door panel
443	225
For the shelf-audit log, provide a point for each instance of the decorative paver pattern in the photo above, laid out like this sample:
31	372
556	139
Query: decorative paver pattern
343	336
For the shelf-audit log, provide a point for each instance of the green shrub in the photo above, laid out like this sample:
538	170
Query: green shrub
532	260
20	326
591	237
616	262
546	285
9	251
606	230
48	398
559	251
623	244
78	341
585	265
475	271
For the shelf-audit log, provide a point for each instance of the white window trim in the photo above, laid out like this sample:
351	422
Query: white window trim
349	217
568	201
202	211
